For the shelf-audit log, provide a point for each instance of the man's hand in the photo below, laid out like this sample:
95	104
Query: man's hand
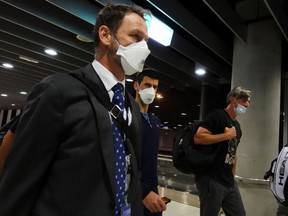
154	203
230	132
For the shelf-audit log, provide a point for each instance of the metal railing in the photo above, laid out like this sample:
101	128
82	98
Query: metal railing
239	179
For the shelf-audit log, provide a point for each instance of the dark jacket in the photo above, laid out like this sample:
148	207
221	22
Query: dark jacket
62	161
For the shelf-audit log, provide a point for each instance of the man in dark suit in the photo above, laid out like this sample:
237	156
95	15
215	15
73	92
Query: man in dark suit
146	87
63	161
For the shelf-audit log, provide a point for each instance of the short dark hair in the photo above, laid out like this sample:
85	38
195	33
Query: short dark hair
112	16
149	72
238	93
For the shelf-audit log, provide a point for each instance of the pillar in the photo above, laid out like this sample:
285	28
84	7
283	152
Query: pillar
257	67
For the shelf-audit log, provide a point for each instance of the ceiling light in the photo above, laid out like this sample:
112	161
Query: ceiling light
83	39
4	95
200	71
12	104
129	80
7	65
28	59
158	30
159	96
51	52
23	93
183	114
156	106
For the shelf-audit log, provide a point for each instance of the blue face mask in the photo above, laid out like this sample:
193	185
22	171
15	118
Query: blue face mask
240	109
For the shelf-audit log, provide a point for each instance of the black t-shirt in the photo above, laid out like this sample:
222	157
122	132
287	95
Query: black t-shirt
216	122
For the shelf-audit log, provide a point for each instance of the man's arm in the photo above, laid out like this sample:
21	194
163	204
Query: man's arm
5	147
205	137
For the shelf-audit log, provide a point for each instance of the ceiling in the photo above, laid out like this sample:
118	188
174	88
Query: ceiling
204	31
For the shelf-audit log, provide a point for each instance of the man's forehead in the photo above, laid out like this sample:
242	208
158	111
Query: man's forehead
244	99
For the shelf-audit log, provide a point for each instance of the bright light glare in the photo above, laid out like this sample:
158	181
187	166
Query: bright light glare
200	71
129	80
159	96
50	52
7	65
4	95
159	31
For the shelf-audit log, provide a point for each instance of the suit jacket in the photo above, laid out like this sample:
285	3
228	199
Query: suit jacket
62	161
149	154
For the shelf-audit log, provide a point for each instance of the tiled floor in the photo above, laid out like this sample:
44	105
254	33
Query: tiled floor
179	188
182	204
179	209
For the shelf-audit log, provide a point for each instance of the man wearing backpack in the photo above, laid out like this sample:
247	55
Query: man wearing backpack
216	186
146	87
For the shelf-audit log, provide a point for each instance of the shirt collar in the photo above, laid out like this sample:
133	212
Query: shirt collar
108	79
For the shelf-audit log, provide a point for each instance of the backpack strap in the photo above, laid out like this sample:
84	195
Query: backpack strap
113	109
270	172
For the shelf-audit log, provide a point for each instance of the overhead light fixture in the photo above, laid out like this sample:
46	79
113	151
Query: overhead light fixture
156	106
158	30
12	104
129	80
4	95
200	69
83	39
51	52
23	93
158	95
28	59
165	127
183	114
7	65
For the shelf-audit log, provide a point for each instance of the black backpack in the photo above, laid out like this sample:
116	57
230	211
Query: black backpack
188	157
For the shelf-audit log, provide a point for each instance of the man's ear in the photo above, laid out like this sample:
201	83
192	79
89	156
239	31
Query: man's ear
136	85
234	102
105	35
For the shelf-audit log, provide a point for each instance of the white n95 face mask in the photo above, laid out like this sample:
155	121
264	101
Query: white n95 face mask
133	56
147	95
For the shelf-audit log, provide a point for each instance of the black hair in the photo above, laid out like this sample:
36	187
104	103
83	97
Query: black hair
149	72
112	16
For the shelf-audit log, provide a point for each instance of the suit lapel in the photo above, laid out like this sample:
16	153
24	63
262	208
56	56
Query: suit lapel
105	131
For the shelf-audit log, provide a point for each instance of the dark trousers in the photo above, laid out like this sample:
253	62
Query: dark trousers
214	195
